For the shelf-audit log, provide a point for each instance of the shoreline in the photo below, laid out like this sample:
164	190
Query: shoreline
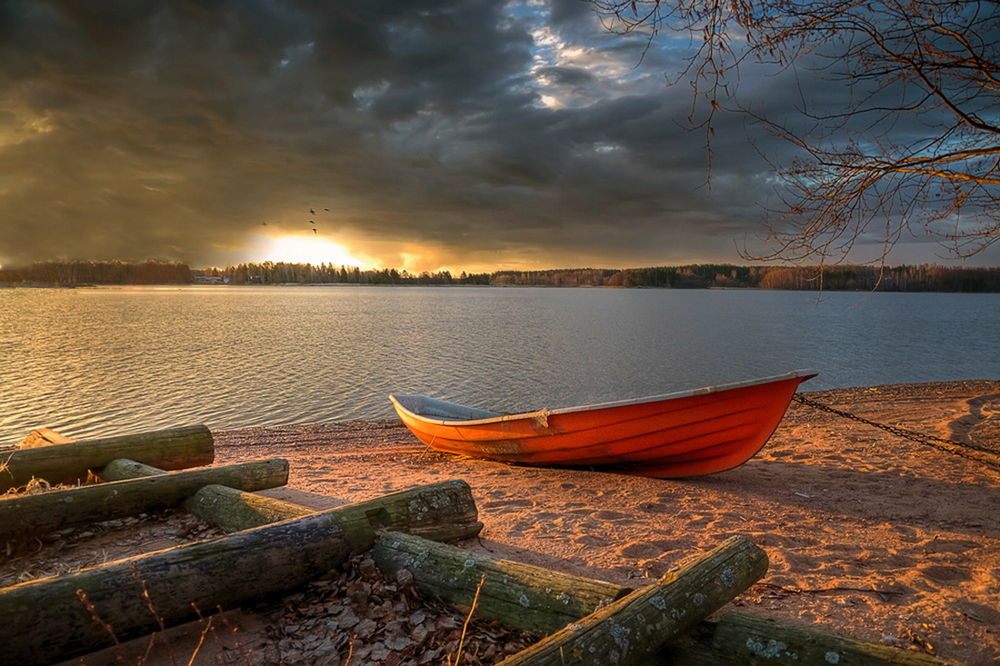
868	534
871	535
819	291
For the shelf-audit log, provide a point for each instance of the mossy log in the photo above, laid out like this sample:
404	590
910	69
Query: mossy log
125	468
43	437
63	616
57	509
234	510
522	596
740	638
176	448
442	511
59	617
635	626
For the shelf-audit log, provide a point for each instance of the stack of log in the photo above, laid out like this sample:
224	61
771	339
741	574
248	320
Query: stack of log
274	546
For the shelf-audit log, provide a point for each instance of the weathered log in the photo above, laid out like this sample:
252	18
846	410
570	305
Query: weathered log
442	511
522	596
451	516
740	638
176	448
43	437
49	618
120	469
234	510
59	617
57	509
637	625
452	574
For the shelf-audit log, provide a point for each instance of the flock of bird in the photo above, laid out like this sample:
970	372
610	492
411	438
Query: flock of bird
312	213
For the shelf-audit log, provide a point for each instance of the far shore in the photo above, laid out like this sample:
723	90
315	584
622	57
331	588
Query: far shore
11	285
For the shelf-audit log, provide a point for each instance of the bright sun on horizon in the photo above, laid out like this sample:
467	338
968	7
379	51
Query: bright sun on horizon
311	250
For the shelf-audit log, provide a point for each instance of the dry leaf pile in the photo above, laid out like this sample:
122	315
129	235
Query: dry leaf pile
357	616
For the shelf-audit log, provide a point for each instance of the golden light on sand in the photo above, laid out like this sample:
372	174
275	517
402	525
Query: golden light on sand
312	250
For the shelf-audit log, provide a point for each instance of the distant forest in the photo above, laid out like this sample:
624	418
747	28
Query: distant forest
696	276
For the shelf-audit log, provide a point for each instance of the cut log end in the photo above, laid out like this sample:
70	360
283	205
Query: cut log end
43	437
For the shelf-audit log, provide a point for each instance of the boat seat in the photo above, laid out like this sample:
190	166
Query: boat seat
433	408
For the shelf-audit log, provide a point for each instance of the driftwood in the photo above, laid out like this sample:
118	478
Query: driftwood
57	509
63	616
523	596
635	626
43	437
68	463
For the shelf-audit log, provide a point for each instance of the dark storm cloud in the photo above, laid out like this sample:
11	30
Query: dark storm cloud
487	132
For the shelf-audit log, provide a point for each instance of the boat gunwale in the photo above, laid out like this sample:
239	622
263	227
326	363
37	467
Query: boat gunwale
540	413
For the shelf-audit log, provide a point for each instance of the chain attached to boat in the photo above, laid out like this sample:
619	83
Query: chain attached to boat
965	450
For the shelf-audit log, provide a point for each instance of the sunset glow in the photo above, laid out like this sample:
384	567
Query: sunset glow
312	250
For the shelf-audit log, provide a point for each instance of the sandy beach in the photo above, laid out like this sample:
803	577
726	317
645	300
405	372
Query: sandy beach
869	534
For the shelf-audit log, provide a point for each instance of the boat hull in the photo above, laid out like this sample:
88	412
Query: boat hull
679	435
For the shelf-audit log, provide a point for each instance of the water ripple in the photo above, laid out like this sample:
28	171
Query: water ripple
93	362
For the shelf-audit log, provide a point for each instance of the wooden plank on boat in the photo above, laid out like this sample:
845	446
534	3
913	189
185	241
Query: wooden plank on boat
175	448
522	596
636	626
43	437
56	509
62	616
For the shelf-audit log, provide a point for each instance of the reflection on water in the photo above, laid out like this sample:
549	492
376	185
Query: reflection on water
112	360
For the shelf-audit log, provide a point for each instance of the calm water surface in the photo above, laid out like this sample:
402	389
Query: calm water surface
111	360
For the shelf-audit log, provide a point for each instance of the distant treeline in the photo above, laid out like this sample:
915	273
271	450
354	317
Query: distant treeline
701	276
695	276
281	272
70	273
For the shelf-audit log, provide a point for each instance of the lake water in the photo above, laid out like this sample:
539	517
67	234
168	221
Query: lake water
92	362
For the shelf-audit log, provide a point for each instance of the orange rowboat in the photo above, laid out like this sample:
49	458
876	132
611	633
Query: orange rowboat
681	434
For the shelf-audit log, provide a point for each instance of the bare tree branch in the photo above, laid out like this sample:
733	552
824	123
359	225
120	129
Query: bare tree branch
928	66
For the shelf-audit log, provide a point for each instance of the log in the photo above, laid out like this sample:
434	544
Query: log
60	617
442	511
227	507
56	509
43	437
452	515
234	510
120	469
522	596
452	575
635	626
740	638
176	448
48	619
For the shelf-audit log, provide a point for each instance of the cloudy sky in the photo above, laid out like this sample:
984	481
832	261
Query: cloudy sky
467	134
